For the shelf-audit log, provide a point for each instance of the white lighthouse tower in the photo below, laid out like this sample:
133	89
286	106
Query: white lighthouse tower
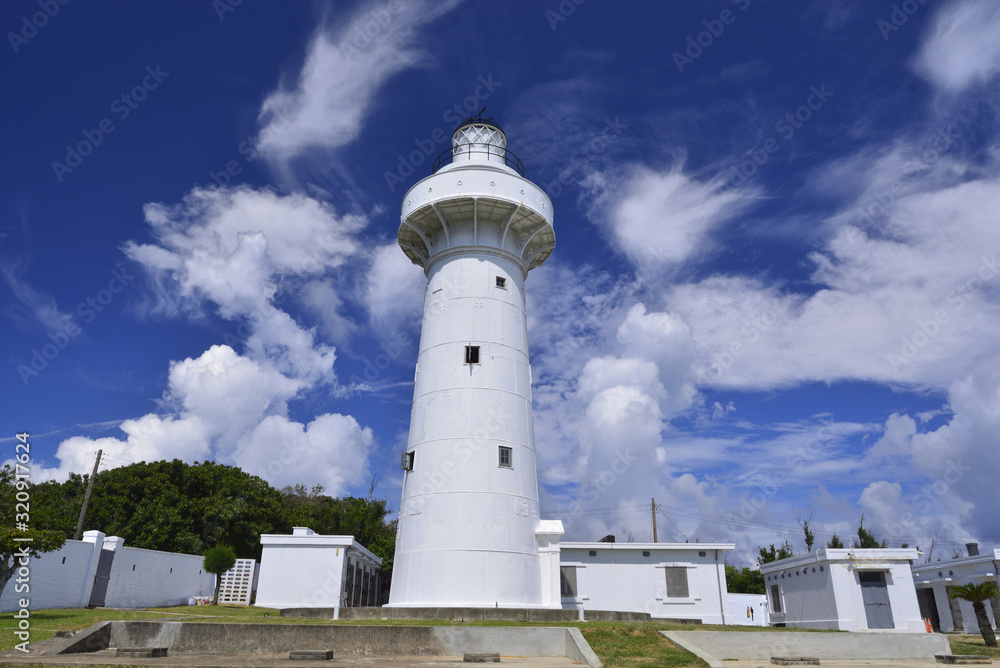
469	530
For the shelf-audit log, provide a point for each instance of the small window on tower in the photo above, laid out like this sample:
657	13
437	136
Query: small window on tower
472	354
506	456
501	282
407	462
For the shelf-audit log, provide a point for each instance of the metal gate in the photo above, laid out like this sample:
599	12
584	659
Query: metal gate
875	594
102	578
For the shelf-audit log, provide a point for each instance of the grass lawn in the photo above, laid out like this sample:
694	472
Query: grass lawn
972	644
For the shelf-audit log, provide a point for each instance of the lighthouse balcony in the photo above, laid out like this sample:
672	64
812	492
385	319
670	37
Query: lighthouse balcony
474	204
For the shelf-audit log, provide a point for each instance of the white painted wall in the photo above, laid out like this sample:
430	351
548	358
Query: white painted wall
65	578
150	578
60	579
619	577
942	575
748	610
309	570
822	589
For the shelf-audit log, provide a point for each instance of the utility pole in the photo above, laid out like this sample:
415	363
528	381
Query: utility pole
652	507
86	498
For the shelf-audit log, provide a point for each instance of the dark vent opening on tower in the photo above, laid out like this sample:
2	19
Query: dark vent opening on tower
407	461
472	354
501	282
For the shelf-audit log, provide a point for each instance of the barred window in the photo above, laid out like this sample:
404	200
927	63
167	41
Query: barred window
677	582
567	581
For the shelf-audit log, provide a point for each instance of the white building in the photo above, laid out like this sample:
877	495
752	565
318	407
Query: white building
845	589
935	581
469	529
748	610
309	570
666	580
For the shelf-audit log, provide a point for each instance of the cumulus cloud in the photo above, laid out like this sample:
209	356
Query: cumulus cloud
346	63
961	46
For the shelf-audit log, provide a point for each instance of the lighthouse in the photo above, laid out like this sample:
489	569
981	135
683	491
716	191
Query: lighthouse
469	531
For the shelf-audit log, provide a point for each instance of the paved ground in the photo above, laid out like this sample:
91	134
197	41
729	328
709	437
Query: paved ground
237	661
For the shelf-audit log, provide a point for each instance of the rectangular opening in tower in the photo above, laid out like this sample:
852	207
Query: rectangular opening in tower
406	463
506	456
472	354
501	282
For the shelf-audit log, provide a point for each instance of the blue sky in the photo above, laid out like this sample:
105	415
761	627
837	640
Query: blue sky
774	294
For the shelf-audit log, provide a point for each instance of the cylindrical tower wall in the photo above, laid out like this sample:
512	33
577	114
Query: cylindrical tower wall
466	533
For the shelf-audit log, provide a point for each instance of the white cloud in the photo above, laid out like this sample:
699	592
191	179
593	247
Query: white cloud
239	248
961	47
394	289
661	219
332	450
343	70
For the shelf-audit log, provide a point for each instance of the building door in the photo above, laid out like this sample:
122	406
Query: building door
928	607
875	594
101	579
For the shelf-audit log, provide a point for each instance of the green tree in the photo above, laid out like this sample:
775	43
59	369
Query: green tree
767	555
170	506
19	546
978	594
835	542
744	580
866	539
218	560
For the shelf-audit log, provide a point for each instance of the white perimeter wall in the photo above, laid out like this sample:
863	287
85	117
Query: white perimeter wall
739	604
148	578
65	578
620	578
60	579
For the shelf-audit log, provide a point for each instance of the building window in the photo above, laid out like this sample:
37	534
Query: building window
501	282
775	599
472	354
567	582
677	582
506	456
407	461
645	553
702	554
593	553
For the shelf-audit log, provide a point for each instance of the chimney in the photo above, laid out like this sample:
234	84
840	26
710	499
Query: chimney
973	549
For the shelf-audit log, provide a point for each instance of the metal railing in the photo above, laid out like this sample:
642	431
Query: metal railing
448	155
